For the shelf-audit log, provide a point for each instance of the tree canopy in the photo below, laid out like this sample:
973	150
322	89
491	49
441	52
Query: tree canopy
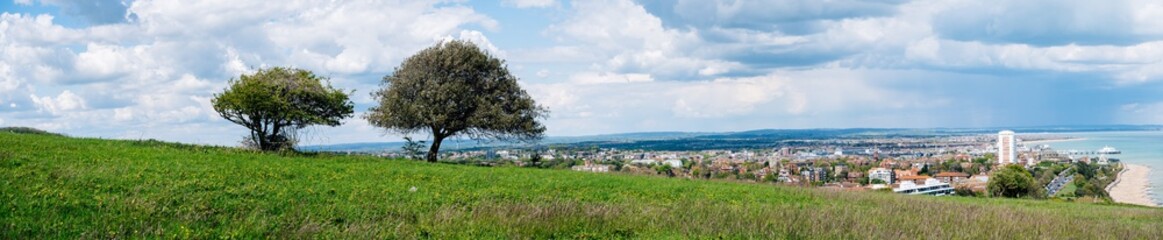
275	103
1014	181
456	89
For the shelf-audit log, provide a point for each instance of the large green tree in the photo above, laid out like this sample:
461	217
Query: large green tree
275	103
1013	181
456	89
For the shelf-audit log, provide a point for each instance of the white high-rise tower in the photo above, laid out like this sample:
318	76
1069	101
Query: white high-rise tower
1006	150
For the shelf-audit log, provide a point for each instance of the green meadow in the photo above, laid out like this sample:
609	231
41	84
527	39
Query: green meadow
71	188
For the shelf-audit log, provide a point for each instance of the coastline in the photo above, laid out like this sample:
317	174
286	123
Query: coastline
1053	141
1132	186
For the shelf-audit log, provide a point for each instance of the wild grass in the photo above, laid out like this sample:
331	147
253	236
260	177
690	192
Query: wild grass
59	187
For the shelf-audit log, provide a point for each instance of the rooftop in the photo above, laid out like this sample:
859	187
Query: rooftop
952	174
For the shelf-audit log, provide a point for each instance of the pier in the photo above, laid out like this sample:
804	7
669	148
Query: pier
1103	151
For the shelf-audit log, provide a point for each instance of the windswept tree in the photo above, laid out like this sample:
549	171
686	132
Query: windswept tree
275	103
456	89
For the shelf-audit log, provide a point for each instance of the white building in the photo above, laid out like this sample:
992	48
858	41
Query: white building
880	173
598	168
591	167
1006	148
931	187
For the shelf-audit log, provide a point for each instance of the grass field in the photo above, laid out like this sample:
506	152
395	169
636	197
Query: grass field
58	187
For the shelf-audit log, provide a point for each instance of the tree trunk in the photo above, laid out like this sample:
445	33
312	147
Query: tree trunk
263	145
432	151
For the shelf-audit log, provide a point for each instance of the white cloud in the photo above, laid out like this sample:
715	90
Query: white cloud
531	3
365	36
607	77
1050	22
634	41
1141	113
766	13
63	103
8	81
36	30
106	60
731	97
846	98
1127	64
478	38
122	114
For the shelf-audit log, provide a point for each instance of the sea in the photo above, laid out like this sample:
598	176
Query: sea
1141	148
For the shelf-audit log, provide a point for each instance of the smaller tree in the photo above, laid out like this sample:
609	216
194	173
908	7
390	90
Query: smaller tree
664	169
535	158
275	103
413	149
1013	181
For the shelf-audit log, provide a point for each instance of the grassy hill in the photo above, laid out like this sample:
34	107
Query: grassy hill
59	187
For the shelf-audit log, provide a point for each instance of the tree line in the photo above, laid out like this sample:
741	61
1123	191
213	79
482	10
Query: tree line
453	88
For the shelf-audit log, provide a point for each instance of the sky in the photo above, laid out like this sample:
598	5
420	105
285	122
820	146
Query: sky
147	69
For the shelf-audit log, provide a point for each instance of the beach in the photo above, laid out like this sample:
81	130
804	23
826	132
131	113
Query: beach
1132	186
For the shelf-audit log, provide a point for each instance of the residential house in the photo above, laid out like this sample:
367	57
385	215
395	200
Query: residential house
917	179
904	173
839	169
951	177
817	174
888	163
880	173
855	176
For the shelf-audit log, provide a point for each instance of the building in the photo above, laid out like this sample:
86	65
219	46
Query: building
784	176
590	167
817	174
903	173
916	179
642	162
1006	148
853	176
839	169
931	187
952	177
880	173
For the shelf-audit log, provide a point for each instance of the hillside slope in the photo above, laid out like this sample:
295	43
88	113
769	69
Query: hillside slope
59	187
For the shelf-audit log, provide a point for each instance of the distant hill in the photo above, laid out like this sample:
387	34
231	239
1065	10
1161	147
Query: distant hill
54	187
753	139
27	130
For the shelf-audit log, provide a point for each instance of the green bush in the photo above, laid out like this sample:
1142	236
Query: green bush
1013	181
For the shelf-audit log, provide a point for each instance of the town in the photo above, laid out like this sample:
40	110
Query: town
932	165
